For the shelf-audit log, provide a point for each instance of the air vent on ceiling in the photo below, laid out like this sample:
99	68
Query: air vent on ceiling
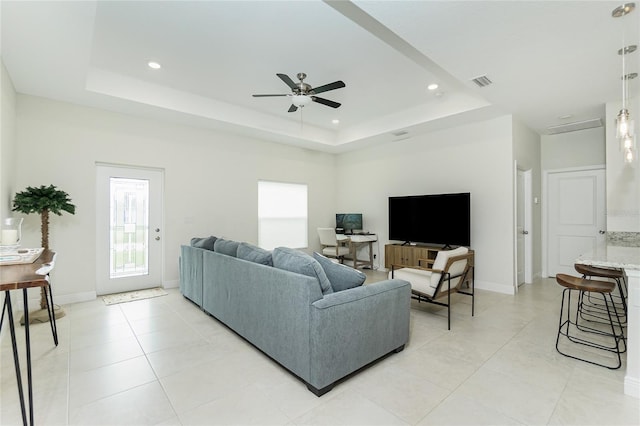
400	133
482	81
577	125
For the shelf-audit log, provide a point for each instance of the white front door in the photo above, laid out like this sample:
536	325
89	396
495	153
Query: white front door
576	217
129	228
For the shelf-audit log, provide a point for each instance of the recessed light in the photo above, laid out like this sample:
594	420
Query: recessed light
335	121
432	86
154	65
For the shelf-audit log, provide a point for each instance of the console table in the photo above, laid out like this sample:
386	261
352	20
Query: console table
23	277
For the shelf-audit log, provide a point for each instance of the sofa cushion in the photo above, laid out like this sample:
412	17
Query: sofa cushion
341	277
204	243
441	261
254	254
228	247
301	263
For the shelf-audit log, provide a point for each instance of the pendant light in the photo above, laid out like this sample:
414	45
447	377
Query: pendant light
624	123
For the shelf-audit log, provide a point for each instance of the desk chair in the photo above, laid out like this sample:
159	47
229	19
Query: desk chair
330	245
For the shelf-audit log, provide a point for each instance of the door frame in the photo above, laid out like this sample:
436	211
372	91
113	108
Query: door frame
545	203
528	224
159	170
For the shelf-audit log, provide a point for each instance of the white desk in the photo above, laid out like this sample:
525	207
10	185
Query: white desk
356	241
627	258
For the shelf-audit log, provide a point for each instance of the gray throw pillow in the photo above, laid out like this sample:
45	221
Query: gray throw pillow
341	277
254	254
204	243
228	247
301	263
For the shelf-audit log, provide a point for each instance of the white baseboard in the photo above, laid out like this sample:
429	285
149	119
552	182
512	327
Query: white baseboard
66	299
632	387
171	284
497	288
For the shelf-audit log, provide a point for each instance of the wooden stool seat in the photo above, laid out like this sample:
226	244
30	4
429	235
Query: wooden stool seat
595	309
595	271
575	331
583	284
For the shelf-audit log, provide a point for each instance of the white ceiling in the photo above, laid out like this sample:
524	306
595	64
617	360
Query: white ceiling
547	59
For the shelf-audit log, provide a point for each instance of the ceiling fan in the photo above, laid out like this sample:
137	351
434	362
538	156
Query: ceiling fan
302	93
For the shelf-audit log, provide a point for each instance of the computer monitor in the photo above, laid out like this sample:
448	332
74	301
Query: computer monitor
348	222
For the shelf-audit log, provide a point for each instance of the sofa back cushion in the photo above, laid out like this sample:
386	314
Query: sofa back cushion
204	243
341	277
441	262
301	263
228	247
254	254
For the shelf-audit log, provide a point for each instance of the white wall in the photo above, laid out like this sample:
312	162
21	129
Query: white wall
7	141
573	149
210	180
623	180
476	158
526	146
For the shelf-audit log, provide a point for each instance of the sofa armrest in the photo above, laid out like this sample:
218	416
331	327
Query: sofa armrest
354	327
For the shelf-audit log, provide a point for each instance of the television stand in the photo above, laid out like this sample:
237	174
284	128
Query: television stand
408	255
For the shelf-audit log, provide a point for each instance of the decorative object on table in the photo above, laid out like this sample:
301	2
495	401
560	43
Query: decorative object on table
43	200
10	234
20	256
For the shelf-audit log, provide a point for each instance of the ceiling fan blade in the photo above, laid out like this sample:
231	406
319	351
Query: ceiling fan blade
331	86
326	102
293	108
287	81
264	96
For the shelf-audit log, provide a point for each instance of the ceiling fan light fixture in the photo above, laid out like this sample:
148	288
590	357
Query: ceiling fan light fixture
300	100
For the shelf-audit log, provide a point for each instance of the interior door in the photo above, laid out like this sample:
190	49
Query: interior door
576	217
129	228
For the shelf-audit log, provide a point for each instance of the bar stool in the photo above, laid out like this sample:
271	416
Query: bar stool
578	333
596	310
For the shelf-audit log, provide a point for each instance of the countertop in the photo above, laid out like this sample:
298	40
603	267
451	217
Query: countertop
612	256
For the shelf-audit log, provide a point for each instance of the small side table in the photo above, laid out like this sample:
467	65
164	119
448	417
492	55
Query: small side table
23	277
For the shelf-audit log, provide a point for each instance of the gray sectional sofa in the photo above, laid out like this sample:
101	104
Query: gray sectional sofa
318	334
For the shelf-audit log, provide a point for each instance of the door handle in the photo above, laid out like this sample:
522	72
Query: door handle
525	232
601	232
157	229
157	238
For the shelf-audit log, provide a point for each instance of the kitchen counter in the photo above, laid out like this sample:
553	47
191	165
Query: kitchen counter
627	258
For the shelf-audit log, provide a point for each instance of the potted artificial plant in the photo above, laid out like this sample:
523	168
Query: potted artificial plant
43	200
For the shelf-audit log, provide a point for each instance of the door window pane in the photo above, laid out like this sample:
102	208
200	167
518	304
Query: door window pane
129	227
282	215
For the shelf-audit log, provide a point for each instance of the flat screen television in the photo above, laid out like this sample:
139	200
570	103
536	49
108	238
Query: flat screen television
349	222
438	219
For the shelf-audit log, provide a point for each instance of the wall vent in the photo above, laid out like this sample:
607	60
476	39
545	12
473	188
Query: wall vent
577	125
482	81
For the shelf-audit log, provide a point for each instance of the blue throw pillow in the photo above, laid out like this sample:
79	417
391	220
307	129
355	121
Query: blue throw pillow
228	247
301	263
254	254
204	243
341	277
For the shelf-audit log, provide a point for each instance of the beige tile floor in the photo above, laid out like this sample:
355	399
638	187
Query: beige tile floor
163	361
